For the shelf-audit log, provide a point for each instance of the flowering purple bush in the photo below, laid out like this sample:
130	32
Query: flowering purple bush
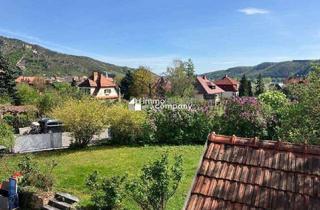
244	117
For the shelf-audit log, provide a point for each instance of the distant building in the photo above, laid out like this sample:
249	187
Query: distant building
100	86
295	80
229	85
206	89
27	80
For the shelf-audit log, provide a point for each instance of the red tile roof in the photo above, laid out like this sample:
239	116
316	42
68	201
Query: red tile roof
242	173
23	79
227	84
209	86
98	80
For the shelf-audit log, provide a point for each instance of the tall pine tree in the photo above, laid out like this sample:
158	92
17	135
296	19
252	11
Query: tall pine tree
243	89
259	85
8	75
250	93
125	85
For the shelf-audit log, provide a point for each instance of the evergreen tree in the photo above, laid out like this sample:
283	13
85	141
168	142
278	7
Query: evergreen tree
244	89
8	75
260	85
250	93
125	85
189	68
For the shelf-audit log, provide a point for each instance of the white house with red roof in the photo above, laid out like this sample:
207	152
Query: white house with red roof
229	85
206	89
100	86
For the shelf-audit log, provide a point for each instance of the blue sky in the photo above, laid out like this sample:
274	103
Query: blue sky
215	34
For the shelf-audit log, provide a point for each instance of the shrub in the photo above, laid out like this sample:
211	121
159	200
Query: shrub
106	193
20	120
157	184
83	118
6	135
5	99
244	117
47	102
128	127
34	177
180	126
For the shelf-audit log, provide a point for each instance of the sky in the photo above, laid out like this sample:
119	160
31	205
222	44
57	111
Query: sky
215	34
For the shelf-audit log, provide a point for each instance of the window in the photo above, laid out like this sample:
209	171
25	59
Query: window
107	91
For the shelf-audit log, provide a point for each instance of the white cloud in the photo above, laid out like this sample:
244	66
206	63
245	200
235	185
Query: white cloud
253	11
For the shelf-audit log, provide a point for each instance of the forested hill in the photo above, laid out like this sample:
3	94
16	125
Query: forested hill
37	60
275	70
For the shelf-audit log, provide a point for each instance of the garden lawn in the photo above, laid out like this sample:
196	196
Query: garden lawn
75	165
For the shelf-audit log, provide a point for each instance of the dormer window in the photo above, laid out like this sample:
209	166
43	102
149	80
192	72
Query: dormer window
212	87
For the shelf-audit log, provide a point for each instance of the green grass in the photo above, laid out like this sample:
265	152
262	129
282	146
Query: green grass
75	165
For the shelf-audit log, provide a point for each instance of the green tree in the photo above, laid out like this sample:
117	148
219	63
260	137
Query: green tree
274	99
143	80
244	86
47	102
260	85
83	118
181	78
189	68
126	84
27	95
300	121
8	75
157	183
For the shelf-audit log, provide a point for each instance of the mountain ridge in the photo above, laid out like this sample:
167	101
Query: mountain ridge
274	70
34	59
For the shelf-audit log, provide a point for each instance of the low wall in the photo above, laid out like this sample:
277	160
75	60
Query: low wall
48	141
37	142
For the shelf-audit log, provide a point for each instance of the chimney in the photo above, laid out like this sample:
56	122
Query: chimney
96	75
204	76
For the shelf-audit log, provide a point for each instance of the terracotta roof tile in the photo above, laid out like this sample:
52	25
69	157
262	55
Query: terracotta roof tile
239	173
208	86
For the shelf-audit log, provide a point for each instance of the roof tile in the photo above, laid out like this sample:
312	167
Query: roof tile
239	173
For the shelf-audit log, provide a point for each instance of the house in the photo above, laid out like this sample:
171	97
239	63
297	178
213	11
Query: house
295	80
243	173
100	86
27	80
229	85
206	89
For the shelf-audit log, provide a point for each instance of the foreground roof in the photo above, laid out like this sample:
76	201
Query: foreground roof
241	173
208	86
